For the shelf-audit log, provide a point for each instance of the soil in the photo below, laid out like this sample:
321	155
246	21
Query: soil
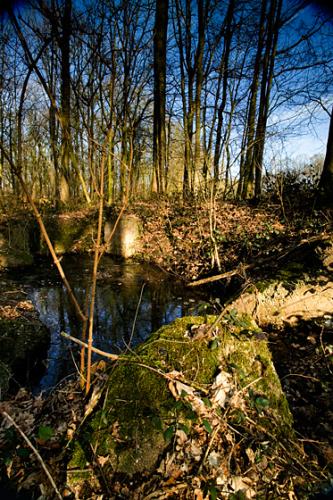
303	357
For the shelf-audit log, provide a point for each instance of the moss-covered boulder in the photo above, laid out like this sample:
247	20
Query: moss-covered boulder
69	232
24	343
185	379
15	250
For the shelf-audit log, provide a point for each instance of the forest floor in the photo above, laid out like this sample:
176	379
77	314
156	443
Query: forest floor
192	242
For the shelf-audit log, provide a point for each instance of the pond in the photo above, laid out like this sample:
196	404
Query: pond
132	301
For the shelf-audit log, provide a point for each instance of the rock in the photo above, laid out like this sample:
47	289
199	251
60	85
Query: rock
24	344
129	431
125	242
69	233
278	305
15	245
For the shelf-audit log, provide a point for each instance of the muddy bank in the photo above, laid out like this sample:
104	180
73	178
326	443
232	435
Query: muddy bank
189	240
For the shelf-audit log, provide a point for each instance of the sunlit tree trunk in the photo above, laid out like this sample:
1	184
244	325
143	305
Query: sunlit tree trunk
111	157
2	65
184	42
64	44
202	18
247	175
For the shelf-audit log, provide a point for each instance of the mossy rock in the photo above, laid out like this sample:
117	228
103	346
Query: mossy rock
129	429
12	258
69	233
22	342
15	248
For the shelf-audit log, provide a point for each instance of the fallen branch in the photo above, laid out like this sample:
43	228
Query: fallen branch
261	262
29	443
222	276
114	357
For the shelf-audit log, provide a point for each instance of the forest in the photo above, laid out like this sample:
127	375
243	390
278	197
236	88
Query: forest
185	98
166	249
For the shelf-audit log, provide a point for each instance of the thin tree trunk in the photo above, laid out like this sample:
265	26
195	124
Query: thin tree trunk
64	45
266	85
224	75
202	13
248	173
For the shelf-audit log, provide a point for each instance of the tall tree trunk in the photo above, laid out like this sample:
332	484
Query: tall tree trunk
247	179
325	195
159	137
202	15
187	78
64	45
224	76
265	91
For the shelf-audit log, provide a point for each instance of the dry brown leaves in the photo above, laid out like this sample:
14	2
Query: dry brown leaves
178	237
214	459
48	423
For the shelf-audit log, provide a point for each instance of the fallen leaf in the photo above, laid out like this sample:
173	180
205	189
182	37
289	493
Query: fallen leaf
221	388
102	460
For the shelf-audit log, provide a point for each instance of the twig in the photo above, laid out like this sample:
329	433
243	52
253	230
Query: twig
127	359
27	440
279	442
114	357
323	349
135	317
225	309
214	434
166	492
243	389
260	263
307	241
300	375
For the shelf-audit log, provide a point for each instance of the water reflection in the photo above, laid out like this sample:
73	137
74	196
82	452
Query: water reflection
132	301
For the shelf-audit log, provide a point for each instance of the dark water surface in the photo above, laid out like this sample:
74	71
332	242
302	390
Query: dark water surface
132	301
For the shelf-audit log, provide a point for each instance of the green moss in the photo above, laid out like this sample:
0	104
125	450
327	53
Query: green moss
69	233
252	365
77	468
292	271
174	351
78	459
261	285
138	405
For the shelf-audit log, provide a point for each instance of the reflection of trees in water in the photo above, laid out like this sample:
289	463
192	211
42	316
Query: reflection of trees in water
57	313
116	304
115	313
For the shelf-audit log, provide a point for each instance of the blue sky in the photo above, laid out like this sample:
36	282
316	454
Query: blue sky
311	143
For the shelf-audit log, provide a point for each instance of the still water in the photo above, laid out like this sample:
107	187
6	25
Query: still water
132	301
